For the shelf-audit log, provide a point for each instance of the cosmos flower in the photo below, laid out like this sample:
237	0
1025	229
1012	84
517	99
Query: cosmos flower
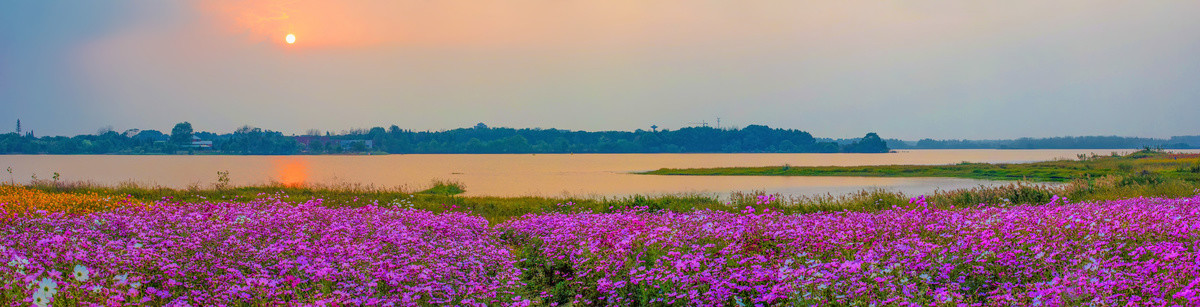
81	273
1136	251
121	279
41	300
46	289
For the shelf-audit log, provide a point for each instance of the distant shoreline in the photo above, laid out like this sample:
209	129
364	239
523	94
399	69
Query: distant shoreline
534	154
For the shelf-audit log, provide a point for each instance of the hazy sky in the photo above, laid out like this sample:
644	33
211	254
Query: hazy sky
904	68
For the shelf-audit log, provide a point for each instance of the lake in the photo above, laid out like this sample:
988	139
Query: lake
520	174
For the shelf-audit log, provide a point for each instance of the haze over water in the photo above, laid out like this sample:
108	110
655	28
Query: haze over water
522	175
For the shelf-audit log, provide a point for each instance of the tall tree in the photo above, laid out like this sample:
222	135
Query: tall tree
871	143
18	127
182	133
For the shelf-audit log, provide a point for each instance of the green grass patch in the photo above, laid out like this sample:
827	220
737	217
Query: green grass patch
1147	162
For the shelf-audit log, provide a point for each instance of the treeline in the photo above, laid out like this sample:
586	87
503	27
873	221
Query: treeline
478	139
245	140
484	139
1070	142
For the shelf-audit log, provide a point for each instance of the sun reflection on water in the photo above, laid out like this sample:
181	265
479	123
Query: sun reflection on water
290	171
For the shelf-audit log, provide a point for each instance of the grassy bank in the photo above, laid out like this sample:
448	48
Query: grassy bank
499	209
1147	162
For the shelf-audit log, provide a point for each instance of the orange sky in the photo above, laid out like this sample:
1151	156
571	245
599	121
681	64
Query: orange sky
447	23
513	23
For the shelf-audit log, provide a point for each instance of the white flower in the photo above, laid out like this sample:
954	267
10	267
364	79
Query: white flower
40	300
121	279
135	285
81	273
97	289
18	262
48	285
46	289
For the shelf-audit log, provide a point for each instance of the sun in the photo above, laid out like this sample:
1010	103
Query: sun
291	38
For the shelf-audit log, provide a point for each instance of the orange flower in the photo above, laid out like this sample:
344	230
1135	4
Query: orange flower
17	200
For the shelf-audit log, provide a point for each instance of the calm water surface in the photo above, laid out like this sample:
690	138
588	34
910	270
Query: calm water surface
518	175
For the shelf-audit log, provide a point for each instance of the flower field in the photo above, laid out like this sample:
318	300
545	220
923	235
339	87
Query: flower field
1139	251
1110	253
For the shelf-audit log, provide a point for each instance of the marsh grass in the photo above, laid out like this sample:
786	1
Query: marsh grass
445	187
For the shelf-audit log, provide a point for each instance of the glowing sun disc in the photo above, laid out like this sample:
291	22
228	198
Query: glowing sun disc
291	38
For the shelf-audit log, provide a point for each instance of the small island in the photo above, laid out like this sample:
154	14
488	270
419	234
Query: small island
1145	163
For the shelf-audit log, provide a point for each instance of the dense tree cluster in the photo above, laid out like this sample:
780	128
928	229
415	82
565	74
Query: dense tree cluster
477	139
1070	142
246	140
484	139
870	143
146	141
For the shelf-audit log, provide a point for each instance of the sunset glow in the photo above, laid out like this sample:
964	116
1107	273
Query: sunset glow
291	171
435	65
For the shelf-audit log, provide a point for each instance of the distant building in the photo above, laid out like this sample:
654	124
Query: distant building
198	143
